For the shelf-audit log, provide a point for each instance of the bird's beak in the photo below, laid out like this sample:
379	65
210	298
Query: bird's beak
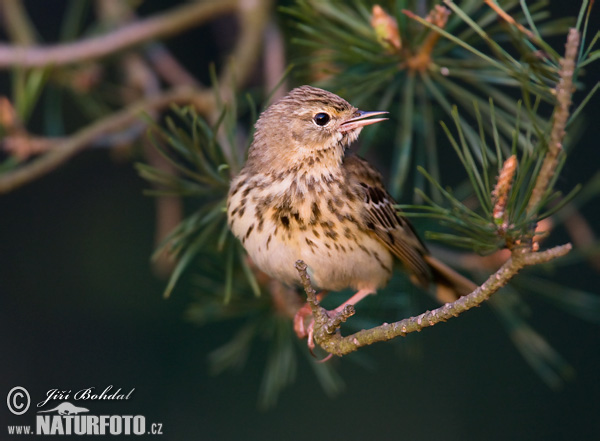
361	121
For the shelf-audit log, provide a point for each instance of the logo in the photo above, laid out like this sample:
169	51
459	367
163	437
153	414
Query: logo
66	408
66	418
70	422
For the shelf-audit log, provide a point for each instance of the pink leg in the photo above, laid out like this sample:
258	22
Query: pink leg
361	294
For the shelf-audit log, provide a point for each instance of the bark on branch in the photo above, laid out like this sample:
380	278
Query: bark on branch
333	342
163	25
564	92
253	18
203	100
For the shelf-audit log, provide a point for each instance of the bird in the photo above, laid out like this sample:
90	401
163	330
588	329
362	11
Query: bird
301	195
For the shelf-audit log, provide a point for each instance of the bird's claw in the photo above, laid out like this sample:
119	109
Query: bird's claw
300	325
311	343
307	330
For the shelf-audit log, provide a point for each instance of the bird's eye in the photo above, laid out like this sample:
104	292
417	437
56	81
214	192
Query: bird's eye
321	119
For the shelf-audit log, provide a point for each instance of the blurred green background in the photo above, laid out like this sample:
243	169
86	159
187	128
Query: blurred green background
80	307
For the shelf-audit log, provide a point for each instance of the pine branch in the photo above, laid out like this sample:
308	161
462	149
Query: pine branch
457	54
16	22
564	91
115	122
160	26
332	341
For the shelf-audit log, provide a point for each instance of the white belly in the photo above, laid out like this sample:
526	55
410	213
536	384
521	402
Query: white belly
338	256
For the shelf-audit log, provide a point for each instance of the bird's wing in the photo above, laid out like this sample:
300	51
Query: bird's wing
379	216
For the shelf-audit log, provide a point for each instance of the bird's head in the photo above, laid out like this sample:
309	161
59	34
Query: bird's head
307	121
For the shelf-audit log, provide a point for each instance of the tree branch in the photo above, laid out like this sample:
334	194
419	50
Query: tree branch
332	341
564	91
168	67
203	100
17	23
253	17
505	16
159	26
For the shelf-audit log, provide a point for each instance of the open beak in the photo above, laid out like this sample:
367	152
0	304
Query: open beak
361	121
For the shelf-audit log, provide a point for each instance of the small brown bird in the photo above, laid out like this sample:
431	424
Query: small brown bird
300	197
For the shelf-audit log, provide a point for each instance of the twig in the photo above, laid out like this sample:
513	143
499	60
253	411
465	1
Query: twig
421	60
168	213
506	17
335	344
16	22
163	25
322	320
319	314
142	82
203	100
254	17
564	91
274	62
168	67
23	145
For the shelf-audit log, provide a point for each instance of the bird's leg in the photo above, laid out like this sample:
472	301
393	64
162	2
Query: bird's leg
300	325
361	294
303	327
306	330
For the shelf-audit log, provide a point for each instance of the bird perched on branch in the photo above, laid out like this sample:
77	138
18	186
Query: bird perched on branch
299	196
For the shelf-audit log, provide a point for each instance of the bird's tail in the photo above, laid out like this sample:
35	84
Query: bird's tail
450	285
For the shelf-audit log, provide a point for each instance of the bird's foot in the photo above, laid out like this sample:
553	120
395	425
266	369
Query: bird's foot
304	326
311	343
302	320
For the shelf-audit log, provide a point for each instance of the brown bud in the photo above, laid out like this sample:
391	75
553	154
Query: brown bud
438	16
502	189
8	116
386	29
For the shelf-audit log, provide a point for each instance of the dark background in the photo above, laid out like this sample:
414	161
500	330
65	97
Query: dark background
80	307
